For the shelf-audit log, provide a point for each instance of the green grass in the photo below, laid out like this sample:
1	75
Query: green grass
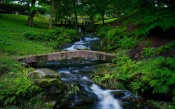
106	21
12	40
14	77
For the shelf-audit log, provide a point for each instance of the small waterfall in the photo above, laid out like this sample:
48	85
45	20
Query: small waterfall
85	43
106	99
77	71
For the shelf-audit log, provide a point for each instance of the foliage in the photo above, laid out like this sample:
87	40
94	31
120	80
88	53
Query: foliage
162	104
112	37
156	17
6	64
15	8
157	74
127	42
16	86
105	78
102	31
117	32
12	41
55	37
124	63
107	21
147	52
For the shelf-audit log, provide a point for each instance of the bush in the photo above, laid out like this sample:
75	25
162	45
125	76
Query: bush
6	64
153	75
113	36
147	52
30	35
158	77
157	17
55	37
102	31
127	42
16	86
98	17
116	33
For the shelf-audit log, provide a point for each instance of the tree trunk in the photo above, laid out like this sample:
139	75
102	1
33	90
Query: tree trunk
92	19
32	13
31	16
51	15
103	18
76	20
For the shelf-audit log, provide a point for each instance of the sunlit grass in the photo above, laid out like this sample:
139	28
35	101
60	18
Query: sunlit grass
107	21
12	40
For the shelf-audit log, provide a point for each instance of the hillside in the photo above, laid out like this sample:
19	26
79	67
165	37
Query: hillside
12	40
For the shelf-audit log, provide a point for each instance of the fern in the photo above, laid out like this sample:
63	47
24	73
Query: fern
147	52
16	86
153	82
163	18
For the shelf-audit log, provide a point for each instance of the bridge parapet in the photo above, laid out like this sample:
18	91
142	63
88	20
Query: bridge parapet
87	54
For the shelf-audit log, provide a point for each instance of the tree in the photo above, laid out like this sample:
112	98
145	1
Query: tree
101	7
33	11
89	9
51	15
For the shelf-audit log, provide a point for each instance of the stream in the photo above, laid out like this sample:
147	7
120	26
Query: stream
78	71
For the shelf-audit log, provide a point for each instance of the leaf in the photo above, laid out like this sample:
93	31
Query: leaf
170	81
165	89
12	99
6	101
153	82
173	90
135	85
1	97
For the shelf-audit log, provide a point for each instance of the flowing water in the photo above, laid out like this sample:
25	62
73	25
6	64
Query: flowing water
87	42
77	71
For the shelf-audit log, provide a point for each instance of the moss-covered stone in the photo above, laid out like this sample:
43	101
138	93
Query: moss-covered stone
48	82
44	73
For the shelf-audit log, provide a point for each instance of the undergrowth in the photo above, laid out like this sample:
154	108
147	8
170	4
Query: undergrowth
54	38
16	86
144	20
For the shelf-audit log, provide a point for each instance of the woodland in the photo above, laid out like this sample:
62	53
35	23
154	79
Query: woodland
140	33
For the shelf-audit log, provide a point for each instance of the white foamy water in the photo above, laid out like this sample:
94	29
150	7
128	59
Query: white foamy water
90	38
64	71
106	100
84	43
85	78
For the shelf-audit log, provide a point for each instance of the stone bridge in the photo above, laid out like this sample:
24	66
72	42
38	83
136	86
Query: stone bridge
87	54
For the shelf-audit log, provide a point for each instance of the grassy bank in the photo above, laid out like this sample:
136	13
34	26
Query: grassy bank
14	81
12	40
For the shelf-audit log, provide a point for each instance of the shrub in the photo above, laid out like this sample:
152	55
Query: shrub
157	17
55	37
158	75
127	42
113	36
16	86
30	35
116	33
147	52
102	31
6	64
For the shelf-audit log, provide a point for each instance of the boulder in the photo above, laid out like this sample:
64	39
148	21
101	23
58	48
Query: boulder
49	80
44	73
130	101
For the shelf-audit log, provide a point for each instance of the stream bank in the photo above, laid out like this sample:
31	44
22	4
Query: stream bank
81	91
